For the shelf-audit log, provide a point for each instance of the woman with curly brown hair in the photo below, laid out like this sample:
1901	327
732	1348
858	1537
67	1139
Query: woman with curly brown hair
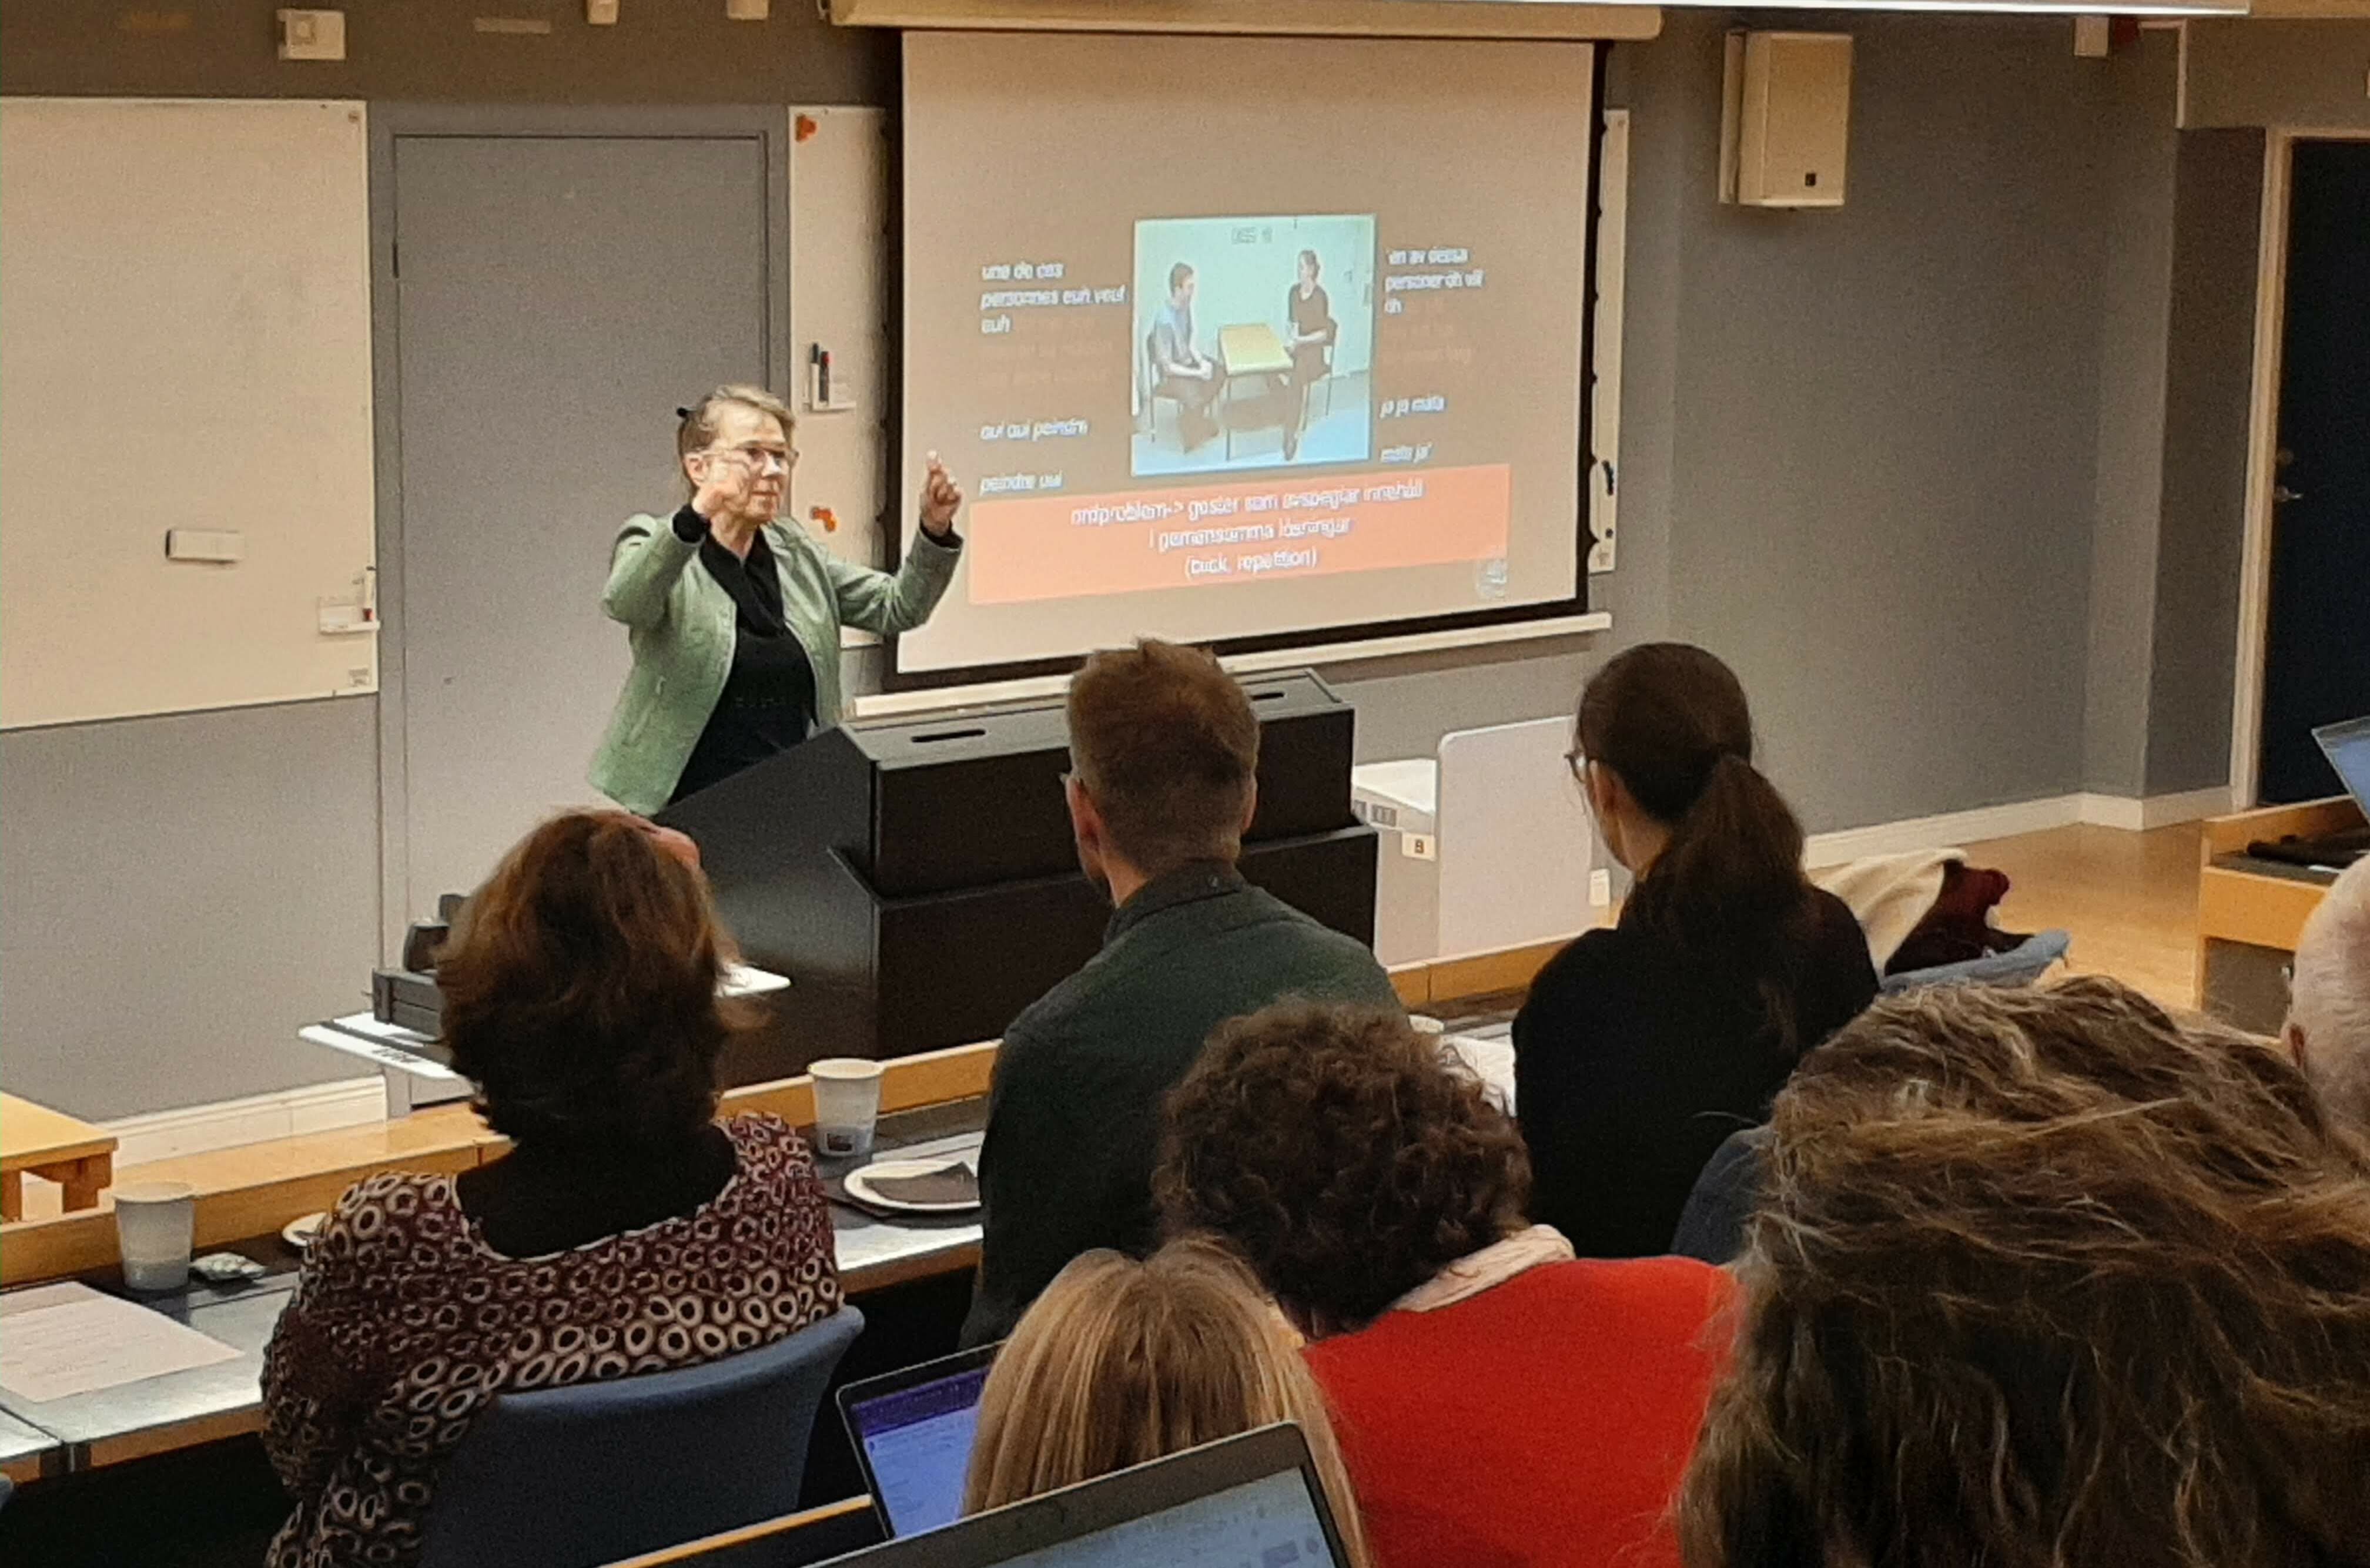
1497	1402
625	1231
2046	1278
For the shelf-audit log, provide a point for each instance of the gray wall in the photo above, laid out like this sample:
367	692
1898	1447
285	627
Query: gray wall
1882	438
2308	75
428	50
2211	337
2138	145
1862	459
181	894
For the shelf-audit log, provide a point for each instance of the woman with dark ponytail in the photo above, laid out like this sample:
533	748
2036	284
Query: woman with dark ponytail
1643	1046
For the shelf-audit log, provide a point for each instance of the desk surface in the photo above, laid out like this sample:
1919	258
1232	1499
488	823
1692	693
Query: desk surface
179	1409
183	1410
1253	349
34	1135
25	1451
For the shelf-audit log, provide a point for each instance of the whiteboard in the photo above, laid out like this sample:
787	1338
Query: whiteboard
185	342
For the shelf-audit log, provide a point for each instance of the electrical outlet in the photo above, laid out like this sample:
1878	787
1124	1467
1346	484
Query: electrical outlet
601	12
747	10
1600	888
312	35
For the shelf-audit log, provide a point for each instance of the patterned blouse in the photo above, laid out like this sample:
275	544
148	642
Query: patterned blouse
405	1323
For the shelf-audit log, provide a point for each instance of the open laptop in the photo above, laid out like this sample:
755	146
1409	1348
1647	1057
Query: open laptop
912	1431
1253	1499
2347	747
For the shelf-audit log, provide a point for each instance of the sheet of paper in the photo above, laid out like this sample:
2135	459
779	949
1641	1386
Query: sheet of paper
1492	1056
740	979
62	1340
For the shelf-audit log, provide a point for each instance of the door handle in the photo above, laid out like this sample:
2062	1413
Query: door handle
2282	493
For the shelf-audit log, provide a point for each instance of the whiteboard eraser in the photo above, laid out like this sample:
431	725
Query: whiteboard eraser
205	545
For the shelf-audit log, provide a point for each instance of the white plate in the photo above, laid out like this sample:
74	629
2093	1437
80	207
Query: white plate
859	1185
298	1233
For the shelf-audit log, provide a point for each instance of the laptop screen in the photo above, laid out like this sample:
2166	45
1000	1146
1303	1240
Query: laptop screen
1267	1523
916	1442
2347	747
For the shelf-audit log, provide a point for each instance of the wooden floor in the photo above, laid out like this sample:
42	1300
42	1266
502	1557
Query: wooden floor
2129	898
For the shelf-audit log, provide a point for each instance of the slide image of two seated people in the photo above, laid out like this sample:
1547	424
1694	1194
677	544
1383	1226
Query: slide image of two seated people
1255	342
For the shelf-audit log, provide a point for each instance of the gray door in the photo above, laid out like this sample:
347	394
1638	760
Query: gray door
557	297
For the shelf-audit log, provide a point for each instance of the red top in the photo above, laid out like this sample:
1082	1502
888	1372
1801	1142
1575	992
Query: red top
1546	1419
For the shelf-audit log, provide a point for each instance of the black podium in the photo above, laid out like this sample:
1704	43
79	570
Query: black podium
917	880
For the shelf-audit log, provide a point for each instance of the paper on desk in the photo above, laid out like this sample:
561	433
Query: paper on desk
61	1340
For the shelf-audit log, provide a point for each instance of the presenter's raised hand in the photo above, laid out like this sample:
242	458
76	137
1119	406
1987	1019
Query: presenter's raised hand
942	498
724	480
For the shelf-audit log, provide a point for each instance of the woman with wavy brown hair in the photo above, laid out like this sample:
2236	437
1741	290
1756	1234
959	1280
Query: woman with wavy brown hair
1120	1362
2046	1278
1497	1401
625	1231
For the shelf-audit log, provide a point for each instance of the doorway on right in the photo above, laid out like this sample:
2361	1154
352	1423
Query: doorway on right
2316	666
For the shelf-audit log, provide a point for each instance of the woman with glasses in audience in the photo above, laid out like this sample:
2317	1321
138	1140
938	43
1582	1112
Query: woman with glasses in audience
625	1231
1497	1401
1644	1045
735	615
1120	1362
2044	1277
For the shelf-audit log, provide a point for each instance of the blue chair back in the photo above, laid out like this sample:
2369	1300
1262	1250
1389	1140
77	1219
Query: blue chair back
586	1474
2020	965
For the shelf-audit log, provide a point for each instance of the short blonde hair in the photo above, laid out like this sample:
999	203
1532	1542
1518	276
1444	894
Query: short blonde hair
696	428
1120	1362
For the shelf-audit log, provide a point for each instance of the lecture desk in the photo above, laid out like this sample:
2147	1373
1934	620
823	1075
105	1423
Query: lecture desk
50	1144
2250	911
183	1410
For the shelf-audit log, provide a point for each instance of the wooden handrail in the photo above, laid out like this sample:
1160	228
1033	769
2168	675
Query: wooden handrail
764	1530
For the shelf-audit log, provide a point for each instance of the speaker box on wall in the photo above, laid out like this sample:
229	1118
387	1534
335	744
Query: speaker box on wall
1785	119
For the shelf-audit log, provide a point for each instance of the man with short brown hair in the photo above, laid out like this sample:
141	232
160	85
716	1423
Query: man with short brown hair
1164	748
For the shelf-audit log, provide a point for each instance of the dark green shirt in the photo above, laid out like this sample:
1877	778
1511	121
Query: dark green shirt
1074	1118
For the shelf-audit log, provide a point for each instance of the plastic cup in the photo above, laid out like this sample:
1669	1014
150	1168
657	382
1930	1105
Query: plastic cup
847	1106
155	1225
1427	1026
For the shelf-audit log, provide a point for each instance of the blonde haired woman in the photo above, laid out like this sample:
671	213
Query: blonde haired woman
1120	1362
735	615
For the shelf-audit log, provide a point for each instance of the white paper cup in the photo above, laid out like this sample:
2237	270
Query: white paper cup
1426	1025
156	1223
847	1106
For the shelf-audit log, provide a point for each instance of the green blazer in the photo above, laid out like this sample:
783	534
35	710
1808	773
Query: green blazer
683	625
